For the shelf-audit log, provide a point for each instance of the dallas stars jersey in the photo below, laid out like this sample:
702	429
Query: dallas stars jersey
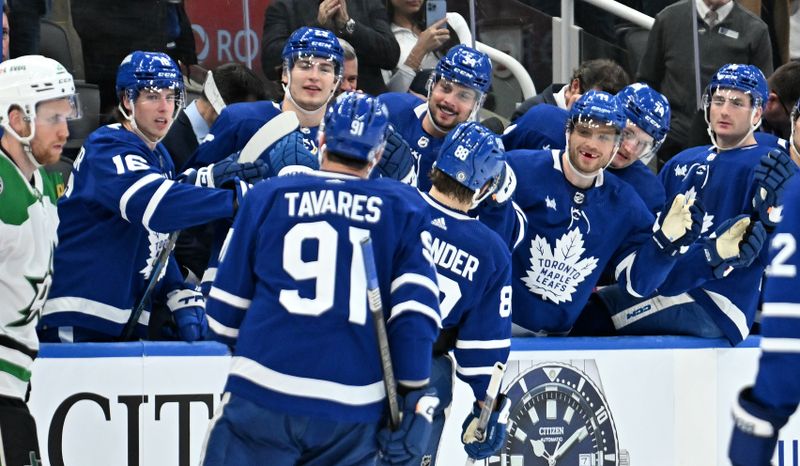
28	222
291	294
406	113
119	207
778	382
542	127
473	266
235	126
572	235
730	301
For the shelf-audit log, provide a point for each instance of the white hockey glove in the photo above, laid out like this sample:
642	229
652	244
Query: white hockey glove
188	308
735	244
495	434
506	186
680	226
755	431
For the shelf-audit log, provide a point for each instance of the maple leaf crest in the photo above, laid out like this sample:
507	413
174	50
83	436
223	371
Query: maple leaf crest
556	273
158	241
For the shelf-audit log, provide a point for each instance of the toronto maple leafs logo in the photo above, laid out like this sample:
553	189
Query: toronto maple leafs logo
158	241
550	203
555	274
680	170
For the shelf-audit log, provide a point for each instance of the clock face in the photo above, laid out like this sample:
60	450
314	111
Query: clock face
558	418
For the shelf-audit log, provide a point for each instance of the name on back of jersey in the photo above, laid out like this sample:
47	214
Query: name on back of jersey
357	207
458	261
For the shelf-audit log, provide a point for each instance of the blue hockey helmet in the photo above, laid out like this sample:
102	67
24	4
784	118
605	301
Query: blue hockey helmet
355	126
466	66
472	155
648	109
746	78
308	42
598	107
149	70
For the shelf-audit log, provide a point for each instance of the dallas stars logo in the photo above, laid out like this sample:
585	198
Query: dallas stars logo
41	287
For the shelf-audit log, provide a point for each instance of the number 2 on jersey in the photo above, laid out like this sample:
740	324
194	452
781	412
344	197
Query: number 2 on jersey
323	270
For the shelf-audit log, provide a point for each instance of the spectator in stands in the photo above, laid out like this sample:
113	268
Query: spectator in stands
420	47
600	74
230	83
349	69
784	90
727	33
6	32
364	23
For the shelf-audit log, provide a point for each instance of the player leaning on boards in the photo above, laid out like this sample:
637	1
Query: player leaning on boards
37	97
763	409
121	204
291	282
474	275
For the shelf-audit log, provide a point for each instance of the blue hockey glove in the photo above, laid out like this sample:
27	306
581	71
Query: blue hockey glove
771	175
406	445
755	431
495	434
735	244
188	308
679	225
290	155
397	161
219	173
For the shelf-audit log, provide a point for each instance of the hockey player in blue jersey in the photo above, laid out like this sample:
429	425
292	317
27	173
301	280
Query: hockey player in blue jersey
714	289
292	285
763	409
474	274
121	203
572	234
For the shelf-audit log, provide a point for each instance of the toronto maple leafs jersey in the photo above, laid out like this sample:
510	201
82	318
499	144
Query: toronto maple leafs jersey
767	139
543	126
290	294
778	381
235	126
406	113
724	183
120	205
572	235
473	267
644	182
28	222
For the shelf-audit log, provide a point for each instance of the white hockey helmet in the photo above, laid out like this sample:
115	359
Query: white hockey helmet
29	80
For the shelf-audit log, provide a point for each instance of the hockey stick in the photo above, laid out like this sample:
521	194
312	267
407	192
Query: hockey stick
376	308
158	266
488	404
267	135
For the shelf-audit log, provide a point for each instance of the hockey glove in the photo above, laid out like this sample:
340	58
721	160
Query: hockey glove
495	434
755	431
771	175
680	226
735	244
505	187
397	161
189	311
290	155
406	445
219	173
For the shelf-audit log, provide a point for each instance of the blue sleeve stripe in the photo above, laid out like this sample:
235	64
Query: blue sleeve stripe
228	298
626	265
222	330
415	279
415	306
731	311
483	344
353	395
155	201
780	345
133	189
473	371
782	310
94	308
523	221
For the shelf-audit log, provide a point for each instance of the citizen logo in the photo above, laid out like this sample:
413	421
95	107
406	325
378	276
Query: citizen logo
551	431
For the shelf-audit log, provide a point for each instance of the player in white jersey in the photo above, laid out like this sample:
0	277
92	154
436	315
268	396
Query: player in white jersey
37	97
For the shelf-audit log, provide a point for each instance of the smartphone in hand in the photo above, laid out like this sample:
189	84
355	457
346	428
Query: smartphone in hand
434	11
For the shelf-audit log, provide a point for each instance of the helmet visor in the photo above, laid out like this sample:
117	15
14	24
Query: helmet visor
59	110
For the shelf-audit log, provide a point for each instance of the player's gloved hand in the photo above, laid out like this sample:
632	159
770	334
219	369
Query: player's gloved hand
505	187
495	434
290	155
405	445
219	173
755	431
735	244
679	226
771	175
397	161
188	308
